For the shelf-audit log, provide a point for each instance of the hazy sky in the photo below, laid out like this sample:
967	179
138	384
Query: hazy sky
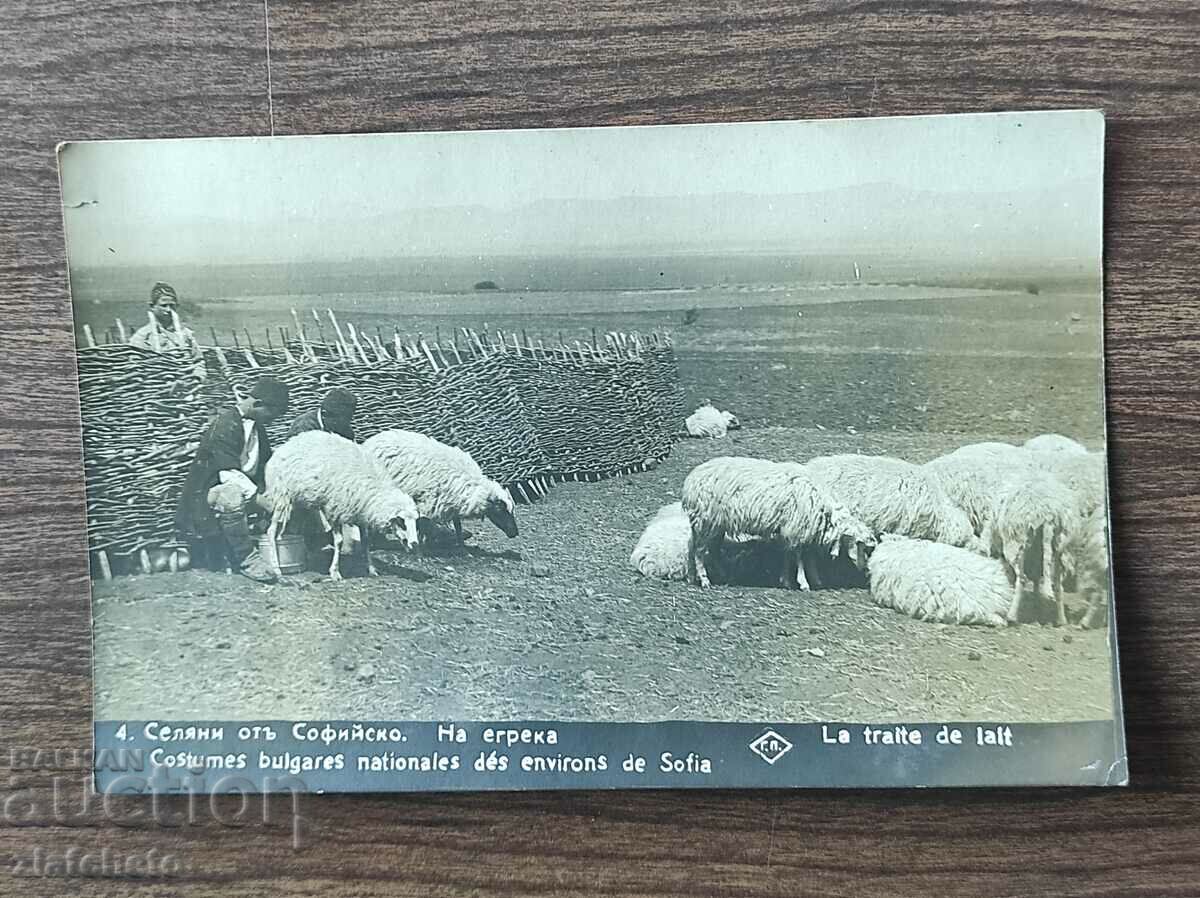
293	198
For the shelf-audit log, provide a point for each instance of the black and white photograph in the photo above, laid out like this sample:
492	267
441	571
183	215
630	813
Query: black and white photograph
792	421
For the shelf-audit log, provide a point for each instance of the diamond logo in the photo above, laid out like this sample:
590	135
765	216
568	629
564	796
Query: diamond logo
770	746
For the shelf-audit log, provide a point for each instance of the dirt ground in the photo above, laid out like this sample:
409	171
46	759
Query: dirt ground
555	625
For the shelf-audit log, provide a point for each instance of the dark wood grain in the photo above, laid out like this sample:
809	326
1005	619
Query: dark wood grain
157	69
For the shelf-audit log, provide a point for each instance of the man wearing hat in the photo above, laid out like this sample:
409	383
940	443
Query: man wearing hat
231	460
164	332
334	415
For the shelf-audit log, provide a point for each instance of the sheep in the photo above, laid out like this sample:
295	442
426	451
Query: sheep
1054	442
935	582
343	484
1091	555
1084	473
1034	512
973	475
445	482
894	496
662	551
708	421
775	501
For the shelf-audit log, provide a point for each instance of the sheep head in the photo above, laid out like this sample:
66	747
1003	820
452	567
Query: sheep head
498	508
854	540
395	514
731	421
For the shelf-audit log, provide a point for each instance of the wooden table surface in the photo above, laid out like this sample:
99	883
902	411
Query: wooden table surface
149	68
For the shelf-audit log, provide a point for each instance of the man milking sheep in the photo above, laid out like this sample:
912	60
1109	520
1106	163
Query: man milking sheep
226	479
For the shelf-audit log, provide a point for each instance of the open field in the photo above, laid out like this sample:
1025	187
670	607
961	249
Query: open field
555	625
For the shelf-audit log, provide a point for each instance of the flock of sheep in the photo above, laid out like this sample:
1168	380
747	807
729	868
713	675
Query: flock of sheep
387	485
990	533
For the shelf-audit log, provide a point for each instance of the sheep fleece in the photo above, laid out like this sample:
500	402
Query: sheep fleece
755	497
661	550
328	472
934	582
893	496
443	480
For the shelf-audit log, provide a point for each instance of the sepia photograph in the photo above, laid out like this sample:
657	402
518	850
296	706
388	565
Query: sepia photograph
792	421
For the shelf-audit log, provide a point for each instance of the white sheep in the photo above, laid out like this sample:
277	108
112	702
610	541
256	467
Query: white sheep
342	484
1084	473
1054	442
662	552
894	496
1028	530
973	476
662	549
708	421
445	482
1091	556
935	582
772	501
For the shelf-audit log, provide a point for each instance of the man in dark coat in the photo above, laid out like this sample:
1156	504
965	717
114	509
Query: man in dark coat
334	415
235	444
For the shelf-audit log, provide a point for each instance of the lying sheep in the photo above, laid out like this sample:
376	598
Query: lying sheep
342	484
1033	515
772	501
445	482
894	496
708	421
662	549
1054	442
662	552
935	582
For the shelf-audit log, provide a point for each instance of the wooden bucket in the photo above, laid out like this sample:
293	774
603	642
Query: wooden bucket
291	549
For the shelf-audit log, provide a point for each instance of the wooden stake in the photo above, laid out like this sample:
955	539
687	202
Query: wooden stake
121	332
87	335
102	563
429	355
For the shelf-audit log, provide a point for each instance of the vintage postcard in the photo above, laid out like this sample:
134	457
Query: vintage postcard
765	454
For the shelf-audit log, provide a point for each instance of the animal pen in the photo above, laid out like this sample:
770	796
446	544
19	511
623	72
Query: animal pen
529	414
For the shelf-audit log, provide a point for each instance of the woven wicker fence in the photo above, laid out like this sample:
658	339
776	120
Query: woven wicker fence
529	414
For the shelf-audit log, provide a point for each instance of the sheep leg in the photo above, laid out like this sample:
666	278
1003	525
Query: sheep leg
810	561
372	571
1014	610
1097	612
335	572
1057	586
800	581
787	579
272	549
1046	588
458	530
693	567
700	554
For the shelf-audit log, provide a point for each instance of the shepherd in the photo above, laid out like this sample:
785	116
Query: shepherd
225	481
335	414
165	332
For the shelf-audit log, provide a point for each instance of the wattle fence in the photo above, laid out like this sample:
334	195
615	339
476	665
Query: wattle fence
530	414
